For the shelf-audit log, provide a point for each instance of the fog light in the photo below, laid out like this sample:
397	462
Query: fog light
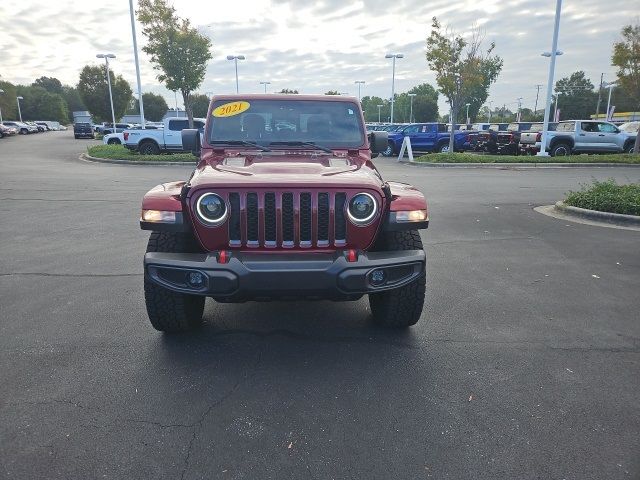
377	277
195	279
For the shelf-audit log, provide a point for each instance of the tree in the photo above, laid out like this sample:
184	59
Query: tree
50	84
626	56
464	72
370	107
155	106
200	105
8	101
287	91
332	92
72	99
177	50
94	92
39	104
576	96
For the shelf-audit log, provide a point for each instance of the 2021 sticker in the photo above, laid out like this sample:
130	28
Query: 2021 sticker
230	109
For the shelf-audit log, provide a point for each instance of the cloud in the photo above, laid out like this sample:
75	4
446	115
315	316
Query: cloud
318	46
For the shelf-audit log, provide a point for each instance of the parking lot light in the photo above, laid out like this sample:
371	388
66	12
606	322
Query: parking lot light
393	77
235	58
468	113
359	83
411	95
106	57
265	85
135	57
1	92
552	66
379	107
19	112
610	86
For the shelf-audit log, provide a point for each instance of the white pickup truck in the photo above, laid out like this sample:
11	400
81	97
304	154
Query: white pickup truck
587	136
167	139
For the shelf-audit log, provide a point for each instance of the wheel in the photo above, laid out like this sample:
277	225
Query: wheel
76	137
560	150
169	311
628	148
23	131
388	151
113	141
401	307
443	148
149	148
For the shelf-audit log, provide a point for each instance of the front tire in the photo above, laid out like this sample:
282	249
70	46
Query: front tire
443	148
169	311
401	307
149	148
560	150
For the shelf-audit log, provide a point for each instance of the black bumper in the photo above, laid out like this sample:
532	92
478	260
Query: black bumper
255	276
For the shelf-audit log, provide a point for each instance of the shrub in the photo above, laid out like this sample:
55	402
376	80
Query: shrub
607	196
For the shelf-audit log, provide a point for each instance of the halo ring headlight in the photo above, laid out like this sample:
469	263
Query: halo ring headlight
212	209
362	209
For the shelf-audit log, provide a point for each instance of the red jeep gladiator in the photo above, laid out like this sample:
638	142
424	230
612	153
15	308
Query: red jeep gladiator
284	203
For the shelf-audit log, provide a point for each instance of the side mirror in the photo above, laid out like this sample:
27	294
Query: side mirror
378	141
191	141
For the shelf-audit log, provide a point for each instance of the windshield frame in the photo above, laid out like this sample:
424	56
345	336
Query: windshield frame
299	141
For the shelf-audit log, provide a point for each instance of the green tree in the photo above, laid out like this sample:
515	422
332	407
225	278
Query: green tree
288	91
94	92
370	107
8	104
332	92
72	99
464	71
177	50
39	104
200	105
50	84
155	106
626	56
577	96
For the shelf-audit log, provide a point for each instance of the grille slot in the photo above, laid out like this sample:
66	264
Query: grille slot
271	219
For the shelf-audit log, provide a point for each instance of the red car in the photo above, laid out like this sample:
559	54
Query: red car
284	203
7	131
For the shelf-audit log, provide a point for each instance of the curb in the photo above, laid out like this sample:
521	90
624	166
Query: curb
616	218
89	158
517	165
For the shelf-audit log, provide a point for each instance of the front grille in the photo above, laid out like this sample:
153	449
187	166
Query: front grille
288	219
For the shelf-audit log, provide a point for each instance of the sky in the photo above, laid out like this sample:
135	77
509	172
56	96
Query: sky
318	46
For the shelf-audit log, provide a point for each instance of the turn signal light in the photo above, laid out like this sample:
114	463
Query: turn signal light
411	216
158	216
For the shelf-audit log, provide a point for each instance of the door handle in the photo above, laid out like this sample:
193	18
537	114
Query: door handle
581	134
601	134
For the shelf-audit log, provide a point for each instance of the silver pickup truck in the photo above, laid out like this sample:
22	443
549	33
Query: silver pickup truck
155	141
587	136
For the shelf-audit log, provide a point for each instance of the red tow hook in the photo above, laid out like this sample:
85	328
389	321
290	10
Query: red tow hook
223	256
352	256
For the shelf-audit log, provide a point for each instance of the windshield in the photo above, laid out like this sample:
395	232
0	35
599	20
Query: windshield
327	123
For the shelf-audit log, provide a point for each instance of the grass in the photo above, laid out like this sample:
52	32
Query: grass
474	158
118	152
607	196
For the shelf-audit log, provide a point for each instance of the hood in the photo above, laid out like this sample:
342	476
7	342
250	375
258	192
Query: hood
286	169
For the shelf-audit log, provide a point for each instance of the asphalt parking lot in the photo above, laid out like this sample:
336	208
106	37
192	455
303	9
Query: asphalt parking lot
526	363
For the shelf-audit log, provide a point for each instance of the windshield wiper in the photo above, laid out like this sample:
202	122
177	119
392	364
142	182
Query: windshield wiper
240	142
307	144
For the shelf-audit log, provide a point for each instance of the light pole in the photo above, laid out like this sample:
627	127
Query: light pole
135	56
535	109
467	104
519	99
265	85
19	112
359	83
393	78
175	97
610	86
552	66
379	107
411	95
106	57
235	58
1	92
489	116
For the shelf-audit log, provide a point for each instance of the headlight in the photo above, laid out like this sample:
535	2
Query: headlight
211	209
412	216
362	209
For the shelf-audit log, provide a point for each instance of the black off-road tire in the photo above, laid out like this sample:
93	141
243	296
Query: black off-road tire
443	147
113	141
389	151
561	149
149	147
400	307
169	311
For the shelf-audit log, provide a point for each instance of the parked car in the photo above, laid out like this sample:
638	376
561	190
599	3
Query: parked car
532	137
424	137
166	139
44	125
507	141
7	131
83	130
21	127
113	139
630	127
587	136
471	142
120	127
270	214
39	128
487	140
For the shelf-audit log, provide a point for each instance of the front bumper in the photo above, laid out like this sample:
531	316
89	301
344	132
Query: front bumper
254	276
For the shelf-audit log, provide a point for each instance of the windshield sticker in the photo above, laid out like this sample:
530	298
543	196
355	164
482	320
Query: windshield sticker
230	109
